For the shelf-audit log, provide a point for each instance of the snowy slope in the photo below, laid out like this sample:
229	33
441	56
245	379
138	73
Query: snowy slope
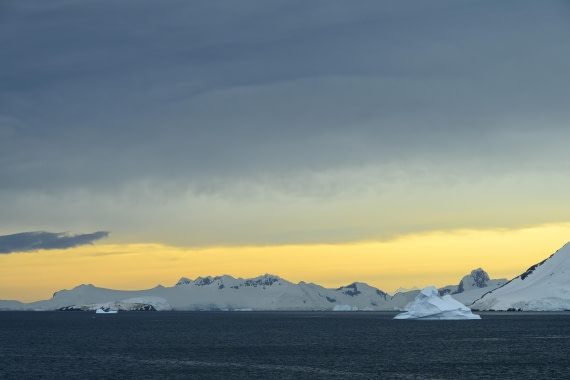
543	287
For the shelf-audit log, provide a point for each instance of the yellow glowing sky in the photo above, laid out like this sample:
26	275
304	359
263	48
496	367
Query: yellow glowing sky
437	258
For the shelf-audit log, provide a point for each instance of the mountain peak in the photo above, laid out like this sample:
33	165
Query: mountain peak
202	281
478	278
184	281
264	280
350	290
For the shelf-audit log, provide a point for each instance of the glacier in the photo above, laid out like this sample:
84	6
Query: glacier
429	305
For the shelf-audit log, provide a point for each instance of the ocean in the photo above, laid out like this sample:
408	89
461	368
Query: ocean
281	345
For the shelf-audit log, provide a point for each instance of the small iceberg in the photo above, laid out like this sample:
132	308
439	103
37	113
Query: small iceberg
101	311
429	305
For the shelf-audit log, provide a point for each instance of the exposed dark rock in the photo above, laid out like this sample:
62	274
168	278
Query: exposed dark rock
202	281
350	290
71	308
266	280
532	268
143	307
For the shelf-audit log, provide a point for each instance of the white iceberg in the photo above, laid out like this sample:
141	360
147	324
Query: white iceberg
428	305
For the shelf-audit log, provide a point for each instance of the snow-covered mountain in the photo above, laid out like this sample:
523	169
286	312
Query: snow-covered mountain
271	292
267	292
402	289
542	287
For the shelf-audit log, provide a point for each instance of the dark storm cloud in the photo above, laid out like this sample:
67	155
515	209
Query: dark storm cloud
32	241
97	93
130	106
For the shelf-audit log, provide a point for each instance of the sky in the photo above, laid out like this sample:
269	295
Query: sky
398	143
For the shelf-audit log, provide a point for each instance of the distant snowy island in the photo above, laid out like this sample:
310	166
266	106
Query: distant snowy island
543	287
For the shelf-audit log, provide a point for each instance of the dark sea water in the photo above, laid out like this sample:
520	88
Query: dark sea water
281	345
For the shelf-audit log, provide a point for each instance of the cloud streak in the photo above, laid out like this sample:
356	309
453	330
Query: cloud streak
37	240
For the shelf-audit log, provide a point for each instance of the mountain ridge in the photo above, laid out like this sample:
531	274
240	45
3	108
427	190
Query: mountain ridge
264	292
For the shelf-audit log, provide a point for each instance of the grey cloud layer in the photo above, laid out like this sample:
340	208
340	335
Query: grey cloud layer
33	241
105	96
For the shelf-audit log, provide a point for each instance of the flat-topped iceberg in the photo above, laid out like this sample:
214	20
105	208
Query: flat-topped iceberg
429	305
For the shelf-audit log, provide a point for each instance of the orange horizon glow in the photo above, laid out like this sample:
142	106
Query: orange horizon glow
436	258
